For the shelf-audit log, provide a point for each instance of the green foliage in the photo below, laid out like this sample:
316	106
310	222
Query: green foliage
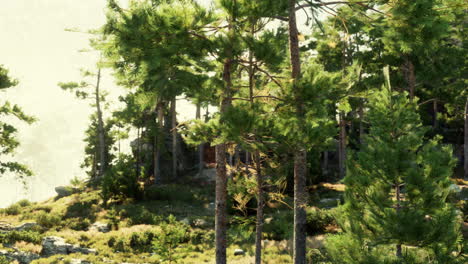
169	239
170	192
17	236
48	220
278	226
318	220
13	209
4	260
8	140
120	181
397	187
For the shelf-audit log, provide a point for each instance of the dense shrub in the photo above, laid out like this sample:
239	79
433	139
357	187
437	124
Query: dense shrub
170	192
77	223
24	203
26	236
13	209
48	220
318	220
278	226
172	234
120	181
4	260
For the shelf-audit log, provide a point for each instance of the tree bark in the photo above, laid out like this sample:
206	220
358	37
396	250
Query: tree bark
174	137
361	123
465	148
260	203
410	76
102	142
221	175
342	147
201	162
158	141
325	163
300	155
398	206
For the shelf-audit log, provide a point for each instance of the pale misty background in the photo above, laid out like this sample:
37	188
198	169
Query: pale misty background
39	52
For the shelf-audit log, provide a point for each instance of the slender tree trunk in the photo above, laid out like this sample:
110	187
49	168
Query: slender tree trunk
300	155
221	175
398	206
410	76
201	162
435	121
102	142
158	141
342	147
260	200
325	163
465	148
174	137
138	152
361	123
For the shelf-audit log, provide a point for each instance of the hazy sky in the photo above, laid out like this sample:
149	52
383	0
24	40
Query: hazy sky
39	53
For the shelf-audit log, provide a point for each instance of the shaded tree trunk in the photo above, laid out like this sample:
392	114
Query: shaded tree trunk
410	76
342	147
221	173
102	140
300	155
158	141
361	123
466	140
260	201
201	162
325	163
398	206
174	137
435	121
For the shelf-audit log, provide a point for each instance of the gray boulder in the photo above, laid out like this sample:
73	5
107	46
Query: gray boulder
100	227
201	223
53	245
5	227
27	226
239	252
64	191
79	261
21	257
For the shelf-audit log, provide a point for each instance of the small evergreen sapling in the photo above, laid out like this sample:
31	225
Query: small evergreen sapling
396	191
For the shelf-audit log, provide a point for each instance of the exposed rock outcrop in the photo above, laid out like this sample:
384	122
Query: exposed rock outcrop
53	245
21	257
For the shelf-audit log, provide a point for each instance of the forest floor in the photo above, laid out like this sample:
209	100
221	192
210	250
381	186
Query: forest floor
134	225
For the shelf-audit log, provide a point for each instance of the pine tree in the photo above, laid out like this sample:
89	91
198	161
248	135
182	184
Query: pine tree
81	91
8	140
396	191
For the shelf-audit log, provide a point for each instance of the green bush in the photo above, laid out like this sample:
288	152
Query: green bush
279	225
78	223
318	220
24	203
169	192
4	260
120	181
48	220
172	234
26	236
14	209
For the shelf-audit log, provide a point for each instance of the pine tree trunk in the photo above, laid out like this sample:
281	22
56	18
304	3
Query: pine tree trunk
174	137
361	123
300	155
138	157
342	147
260	201
435	122
398	199
102	142
325	163
158	141
201	162
410	76
221	175
466	140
